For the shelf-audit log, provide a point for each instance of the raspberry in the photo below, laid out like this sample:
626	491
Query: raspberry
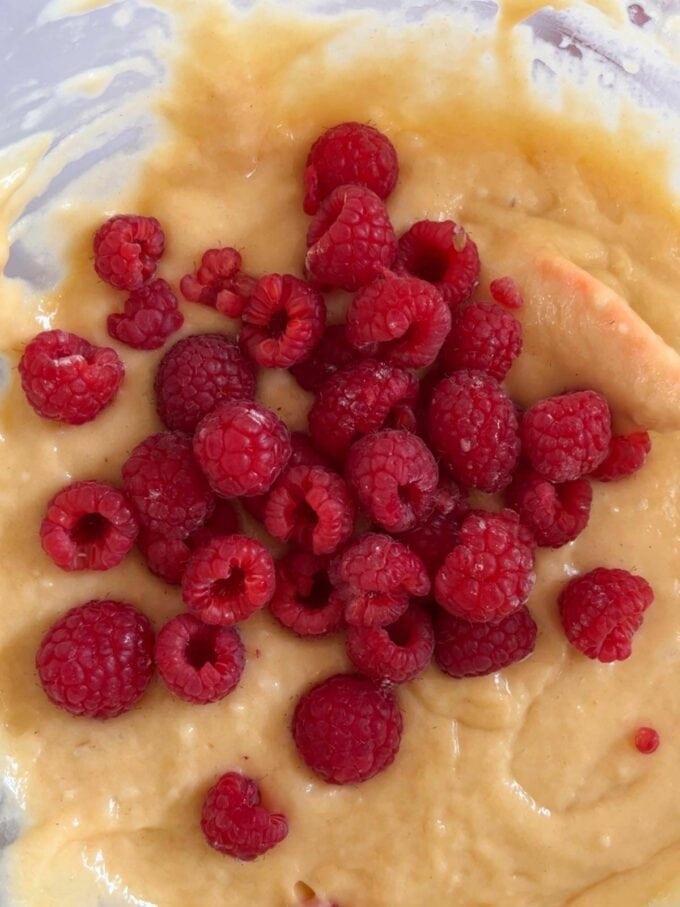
68	379
505	292
602	610
394	477
311	506
197	662
483	336
347	729
349	153
197	374
396	653
473	426
555	514
627	454
242	448
332	353
282	321
228	579
442	253
402	320
150	316
357	401
88	526
234	821
127	248
646	740
97	659
349	240
163	481
436	537
568	436
490	572
304	601
468	649
219	283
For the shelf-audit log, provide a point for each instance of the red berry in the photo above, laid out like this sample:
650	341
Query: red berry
436	537
68	379
234	821
350	239
332	353
88	526
219	282
127	248
197	374
228	579
198	662
347	729
97	659
647	740
396	653
442	253
555	514
473	426
568	436
469	649
627	454
602	610
282	321
304	601
484	337
506	292
149	318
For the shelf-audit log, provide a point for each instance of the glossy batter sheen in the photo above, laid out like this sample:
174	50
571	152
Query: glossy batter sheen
521	789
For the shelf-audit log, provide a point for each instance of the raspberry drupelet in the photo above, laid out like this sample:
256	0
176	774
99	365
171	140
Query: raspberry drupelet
127	249
219	282
646	740
506	292
555	514
332	353
484	337
304	601
150	316
396	653
626	455
442	253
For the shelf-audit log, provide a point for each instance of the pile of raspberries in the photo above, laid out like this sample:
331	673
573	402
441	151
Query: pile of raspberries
408	416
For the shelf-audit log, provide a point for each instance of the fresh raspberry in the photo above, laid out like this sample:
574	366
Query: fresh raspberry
197	374
472	424
68	379
396	653
88	526
436	537
198	662
627	454
242	448
97	659
350	153
490	572
357	401
347	729
568	436
304	601
442	253
483	336
282	321
149	318
219	283
469	649
349	240
127	248
555	514
332	353
228	579
506	292
602	610
234	821
647	740
394	477
401	320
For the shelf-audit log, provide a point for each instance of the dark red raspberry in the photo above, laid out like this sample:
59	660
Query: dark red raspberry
568	436
490	572
228	579
436	537
282	321
627	454
88	526
197	374
505	291
396	653
473	425
555	514
127	248
349	240
166	486
242	448
602	610
97	659
469	649
442	253
219	282
198	662
224	520
394	477
347	729
483	336
350	153
68	379
234	821
332	353
646	740
150	317
304	601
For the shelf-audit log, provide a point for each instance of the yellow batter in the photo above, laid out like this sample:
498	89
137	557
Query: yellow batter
516	790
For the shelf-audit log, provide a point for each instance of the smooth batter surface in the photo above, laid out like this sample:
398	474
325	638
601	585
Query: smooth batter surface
521	789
